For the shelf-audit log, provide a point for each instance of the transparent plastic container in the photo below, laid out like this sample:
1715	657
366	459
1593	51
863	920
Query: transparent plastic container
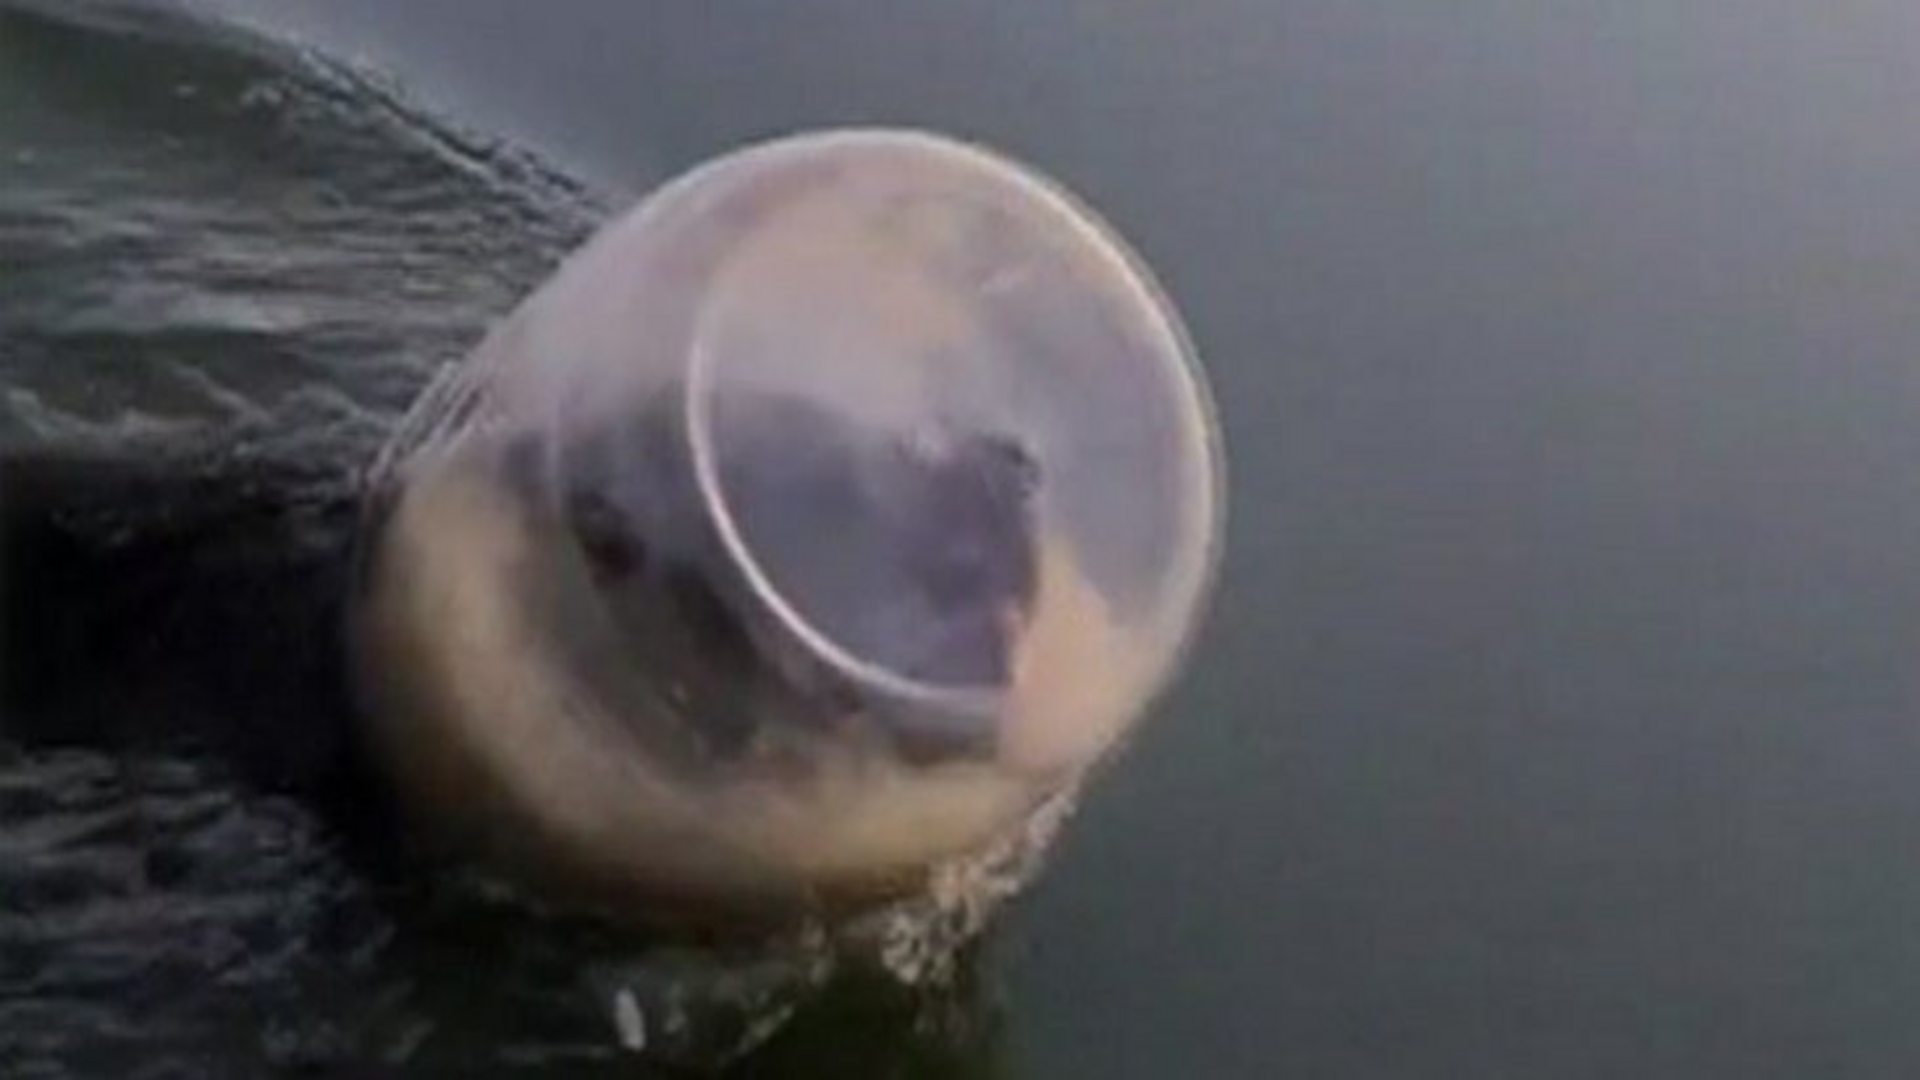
817	521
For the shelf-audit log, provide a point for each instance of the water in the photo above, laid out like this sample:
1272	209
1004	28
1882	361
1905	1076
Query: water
1558	714
209	236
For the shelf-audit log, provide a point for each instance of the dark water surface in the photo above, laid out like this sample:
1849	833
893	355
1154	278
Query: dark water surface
1558	716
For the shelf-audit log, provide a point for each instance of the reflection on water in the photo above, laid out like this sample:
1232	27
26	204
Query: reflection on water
208	237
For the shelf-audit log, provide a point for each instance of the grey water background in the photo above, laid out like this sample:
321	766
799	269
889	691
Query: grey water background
1558	712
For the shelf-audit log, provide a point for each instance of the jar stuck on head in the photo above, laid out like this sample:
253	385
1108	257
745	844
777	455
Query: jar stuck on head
817	521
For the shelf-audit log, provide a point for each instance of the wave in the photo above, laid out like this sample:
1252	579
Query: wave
201	222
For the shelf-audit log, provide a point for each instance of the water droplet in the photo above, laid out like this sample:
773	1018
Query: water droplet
629	1022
